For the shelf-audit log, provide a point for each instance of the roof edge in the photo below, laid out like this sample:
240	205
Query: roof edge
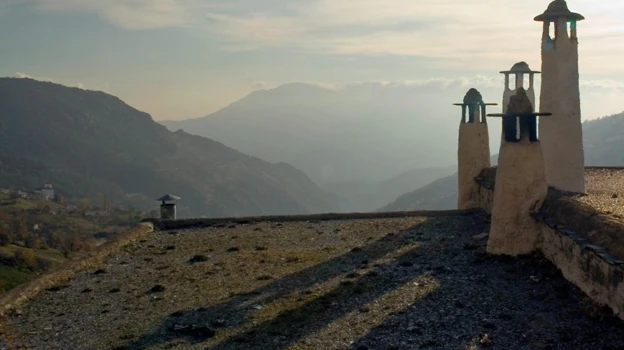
22	293
168	224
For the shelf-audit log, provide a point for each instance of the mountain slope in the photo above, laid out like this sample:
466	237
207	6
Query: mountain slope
440	194
365	133
89	143
368	196
603	141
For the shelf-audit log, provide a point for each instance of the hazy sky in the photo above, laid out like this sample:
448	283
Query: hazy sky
177	59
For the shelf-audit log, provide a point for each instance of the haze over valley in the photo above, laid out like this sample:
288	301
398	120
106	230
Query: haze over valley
360	104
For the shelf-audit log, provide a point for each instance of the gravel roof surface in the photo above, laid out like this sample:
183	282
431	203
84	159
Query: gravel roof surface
605	189
404	283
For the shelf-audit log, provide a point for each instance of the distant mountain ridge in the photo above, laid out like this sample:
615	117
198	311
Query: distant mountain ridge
367	143
364	133
603	143
89	143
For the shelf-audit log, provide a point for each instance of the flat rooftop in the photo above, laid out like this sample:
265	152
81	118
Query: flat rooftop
417	282
605	189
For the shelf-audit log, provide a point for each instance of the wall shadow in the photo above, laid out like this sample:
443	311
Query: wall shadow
522	303
198	325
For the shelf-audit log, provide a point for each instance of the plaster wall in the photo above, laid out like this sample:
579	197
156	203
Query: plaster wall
485	199
473	156
520	189
587	266
561	134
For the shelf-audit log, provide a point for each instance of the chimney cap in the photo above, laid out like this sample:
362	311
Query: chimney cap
557	9
520	67
168	197
473	97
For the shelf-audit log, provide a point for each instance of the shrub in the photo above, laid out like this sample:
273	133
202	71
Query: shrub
6	237
21	230
34	242
27	256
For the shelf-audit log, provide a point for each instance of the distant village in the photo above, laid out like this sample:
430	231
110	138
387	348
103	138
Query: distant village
81	206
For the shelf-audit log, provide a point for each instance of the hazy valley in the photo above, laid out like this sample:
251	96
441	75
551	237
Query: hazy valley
378	147
368	143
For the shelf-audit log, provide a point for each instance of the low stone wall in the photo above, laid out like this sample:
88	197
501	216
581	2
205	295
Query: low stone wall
22	293
585	244
160	224
601	228
589	266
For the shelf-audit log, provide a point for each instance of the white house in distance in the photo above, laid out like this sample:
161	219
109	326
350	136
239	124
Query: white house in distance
47	191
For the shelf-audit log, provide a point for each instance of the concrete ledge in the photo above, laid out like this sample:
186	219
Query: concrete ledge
160	224
600	228
15	297
604	167
589	266
487	177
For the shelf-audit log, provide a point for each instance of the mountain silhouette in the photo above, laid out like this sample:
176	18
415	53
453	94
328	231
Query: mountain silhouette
89	143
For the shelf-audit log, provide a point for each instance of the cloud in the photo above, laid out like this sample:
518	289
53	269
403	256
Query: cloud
489	83
257	85
474	35
5	5
49	80
478	81
131	14
603	84
26	76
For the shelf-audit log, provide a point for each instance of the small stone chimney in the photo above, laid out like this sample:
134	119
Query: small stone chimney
518	71
473	154
520	187
168	210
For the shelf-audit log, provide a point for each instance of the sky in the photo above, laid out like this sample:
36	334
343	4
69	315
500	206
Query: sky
179	59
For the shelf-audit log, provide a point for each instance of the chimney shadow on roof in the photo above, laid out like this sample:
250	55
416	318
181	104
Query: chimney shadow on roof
317	311
499	302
